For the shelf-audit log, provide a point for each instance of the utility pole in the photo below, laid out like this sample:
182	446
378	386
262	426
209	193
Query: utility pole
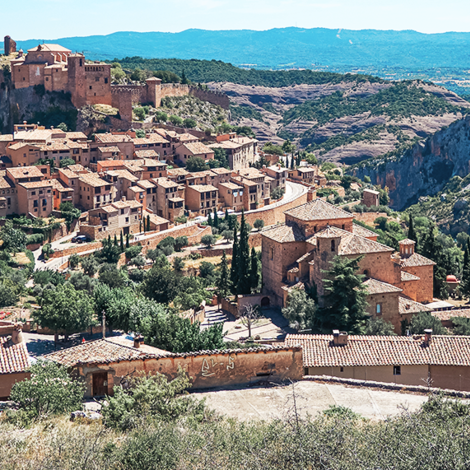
103	316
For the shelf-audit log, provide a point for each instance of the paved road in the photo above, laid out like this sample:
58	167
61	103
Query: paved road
270	403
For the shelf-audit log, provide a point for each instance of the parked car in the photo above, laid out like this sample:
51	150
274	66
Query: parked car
80	239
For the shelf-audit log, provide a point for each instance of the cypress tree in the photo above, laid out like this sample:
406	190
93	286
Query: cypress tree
127	240
411	231
122	242
465	284
209	219
216	219
226	215
140	227
235	258
115	243
254	278
224	278
243	259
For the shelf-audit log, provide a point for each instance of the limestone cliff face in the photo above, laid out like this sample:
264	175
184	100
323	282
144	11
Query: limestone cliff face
29	103
424	169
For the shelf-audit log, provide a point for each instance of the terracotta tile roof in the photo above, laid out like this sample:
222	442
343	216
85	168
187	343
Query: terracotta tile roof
93	180
178	172
164	182
145	184
371	191
36	135
77	167
56	184
448	314
374	286
36	184
407	241
319	350
157	220
416	260
75	135
111	138
6	138
25	172
157	139
197	148
363	232
5	184
185	137
405	277
232	186
20	145
350	244
407	305
13	357
112	148
198	174
122	174
284	233
68	173
221	171
146	154
202	188
111	163
318	210
102	351
49	47
125	204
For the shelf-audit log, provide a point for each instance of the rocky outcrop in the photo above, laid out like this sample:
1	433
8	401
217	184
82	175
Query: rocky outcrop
424	169
272	103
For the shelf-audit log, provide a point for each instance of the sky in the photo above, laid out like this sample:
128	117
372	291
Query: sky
50	19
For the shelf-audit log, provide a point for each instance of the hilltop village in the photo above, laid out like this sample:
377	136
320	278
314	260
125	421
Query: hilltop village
139	245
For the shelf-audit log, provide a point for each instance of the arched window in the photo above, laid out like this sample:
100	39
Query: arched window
333	245
378	309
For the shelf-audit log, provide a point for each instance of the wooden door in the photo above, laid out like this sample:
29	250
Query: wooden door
100	384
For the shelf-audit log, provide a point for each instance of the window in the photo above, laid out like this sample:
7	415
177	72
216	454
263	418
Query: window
341	369
91	88
106	80
378	309
97	79
396	370
272	253
333	245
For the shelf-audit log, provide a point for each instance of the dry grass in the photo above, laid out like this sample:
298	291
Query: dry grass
195	263
106	109
21	259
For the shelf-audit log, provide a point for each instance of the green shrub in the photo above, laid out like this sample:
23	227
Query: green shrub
133	251
49	391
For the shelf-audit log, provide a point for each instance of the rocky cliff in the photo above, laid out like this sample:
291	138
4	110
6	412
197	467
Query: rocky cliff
423	170
347	132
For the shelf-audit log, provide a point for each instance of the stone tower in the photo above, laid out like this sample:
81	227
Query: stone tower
77	79
9	44
154	91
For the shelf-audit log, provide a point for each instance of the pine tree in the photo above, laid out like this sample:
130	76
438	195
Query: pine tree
122	243
235	258
115	242
254	277
216	219
127	240
429	248
209	219
148	223
346	297
243	286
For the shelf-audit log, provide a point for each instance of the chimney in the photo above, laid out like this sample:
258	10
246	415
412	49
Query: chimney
138	340
17	335
427	337
123	198
311	194
340	338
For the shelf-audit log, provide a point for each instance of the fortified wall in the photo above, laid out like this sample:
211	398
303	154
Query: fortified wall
58	69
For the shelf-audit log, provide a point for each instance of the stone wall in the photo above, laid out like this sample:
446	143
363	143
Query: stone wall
209	369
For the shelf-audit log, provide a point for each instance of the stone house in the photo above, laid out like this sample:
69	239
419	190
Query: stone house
241	151
202	199
370	198
231	195
113	361
278	174
14	360
170	204
194	149
442	361
301	250
94	191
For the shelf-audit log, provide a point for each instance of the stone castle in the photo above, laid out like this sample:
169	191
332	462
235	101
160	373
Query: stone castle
58	69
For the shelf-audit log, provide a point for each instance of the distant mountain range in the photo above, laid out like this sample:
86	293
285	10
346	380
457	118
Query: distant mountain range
283	48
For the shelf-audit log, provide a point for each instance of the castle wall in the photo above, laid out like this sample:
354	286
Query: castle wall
98	83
